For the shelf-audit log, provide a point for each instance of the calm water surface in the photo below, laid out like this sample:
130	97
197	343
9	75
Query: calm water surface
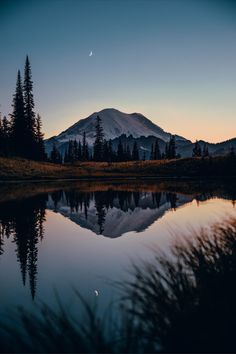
86	235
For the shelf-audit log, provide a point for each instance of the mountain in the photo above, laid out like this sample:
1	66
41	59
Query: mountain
115	123
130	128
126	212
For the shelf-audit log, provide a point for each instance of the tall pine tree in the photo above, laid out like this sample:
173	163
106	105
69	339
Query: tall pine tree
98	144
85	151
6	130
172	147
156	151
40	149
205	152
19	129
135	152
29	111
197	151
120	151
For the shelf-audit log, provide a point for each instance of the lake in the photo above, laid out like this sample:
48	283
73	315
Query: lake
61	236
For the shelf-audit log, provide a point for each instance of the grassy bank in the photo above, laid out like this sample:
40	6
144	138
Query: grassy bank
15	169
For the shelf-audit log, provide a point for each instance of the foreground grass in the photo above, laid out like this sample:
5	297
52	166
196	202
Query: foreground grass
183	301
15	169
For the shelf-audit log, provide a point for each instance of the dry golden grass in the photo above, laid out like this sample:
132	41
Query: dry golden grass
15	169
25	169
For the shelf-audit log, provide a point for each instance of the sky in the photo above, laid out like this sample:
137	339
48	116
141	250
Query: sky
174	61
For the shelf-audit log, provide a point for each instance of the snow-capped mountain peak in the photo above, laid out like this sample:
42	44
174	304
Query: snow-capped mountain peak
115	123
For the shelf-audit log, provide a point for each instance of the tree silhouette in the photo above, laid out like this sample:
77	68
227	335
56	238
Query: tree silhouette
99	143
197	151
55	155
85	151
40	149
205	151
29	111
19	123
22	135
6	137
156	151
101	213
135	152
120	151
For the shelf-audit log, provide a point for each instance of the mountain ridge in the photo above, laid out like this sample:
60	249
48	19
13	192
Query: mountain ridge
132	127
115	123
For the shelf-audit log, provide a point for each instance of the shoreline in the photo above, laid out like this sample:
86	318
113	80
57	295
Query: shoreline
117	179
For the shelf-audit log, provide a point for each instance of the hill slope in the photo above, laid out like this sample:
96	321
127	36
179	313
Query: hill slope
15	169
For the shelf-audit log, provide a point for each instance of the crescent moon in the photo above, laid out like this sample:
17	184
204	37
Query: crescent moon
96	292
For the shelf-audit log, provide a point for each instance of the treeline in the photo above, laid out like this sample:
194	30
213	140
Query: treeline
104	151
21	134
200	152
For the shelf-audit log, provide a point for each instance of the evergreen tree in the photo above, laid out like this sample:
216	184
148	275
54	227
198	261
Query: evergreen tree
197	151
172	148
135	152
120	151
167	150
70	151
156	151
79	157
98	144
85	150
111	156
128	153
205	151
105	150
152	152
1	137
29	111
6	136
84	147
55	156
40	149
232	152
75	151
19	133
65	160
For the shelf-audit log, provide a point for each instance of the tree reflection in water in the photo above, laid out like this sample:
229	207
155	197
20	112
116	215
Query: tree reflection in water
23	222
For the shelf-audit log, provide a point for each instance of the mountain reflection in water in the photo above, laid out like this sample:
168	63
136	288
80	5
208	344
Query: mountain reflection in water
112	213
107	209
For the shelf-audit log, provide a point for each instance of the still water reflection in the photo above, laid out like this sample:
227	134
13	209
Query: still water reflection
85	235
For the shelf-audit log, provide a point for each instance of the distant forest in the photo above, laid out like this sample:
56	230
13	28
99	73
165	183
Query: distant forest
21	136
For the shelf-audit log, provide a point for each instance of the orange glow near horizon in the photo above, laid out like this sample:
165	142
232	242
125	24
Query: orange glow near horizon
171	119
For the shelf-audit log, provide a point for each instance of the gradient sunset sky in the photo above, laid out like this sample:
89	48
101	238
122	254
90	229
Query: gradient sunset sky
172	60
